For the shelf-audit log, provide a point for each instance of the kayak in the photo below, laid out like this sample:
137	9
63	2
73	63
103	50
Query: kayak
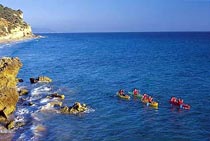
138	95
181	106
124	96
152	104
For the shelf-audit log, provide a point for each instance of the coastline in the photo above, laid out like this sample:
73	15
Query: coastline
13	40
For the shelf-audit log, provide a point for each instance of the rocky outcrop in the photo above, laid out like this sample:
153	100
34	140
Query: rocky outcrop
22	91
44	79
75	109
56	95
12	25
9	68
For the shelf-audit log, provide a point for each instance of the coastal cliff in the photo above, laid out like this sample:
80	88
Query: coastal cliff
12	25
9	68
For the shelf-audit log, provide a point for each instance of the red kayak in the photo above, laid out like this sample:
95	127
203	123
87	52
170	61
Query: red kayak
179	103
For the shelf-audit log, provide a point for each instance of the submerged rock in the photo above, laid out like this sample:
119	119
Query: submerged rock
56	95
75	109
40	79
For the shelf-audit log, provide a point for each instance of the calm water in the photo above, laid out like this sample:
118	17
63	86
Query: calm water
90	68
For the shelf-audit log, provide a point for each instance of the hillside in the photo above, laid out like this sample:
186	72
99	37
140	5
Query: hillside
12	25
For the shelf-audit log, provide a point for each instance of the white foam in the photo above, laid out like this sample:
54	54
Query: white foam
48	106
89	110
22	111
44	100
19	119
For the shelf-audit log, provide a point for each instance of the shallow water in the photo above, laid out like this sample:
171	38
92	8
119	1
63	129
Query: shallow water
90	68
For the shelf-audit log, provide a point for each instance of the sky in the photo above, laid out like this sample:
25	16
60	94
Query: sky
114	15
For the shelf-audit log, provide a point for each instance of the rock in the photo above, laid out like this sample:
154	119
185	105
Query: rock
23	91
10	125
40	79
19	124
33	80
19	80
44	79
28	103
12	25
9	68
75	109
56	95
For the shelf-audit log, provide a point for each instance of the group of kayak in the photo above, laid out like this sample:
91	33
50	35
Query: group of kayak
148	100
145	98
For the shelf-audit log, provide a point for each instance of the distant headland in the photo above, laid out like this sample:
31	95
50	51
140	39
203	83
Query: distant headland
12	26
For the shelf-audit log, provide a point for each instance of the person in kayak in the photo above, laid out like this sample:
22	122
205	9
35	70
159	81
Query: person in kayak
150	99
135	92
180	101
173	99
145	97
121	92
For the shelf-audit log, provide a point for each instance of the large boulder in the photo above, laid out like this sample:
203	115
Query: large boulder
9	68
44	79
75	109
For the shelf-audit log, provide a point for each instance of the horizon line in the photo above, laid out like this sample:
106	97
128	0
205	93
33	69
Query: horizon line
125	32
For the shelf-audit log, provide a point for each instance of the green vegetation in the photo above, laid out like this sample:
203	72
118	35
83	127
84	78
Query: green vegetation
10	19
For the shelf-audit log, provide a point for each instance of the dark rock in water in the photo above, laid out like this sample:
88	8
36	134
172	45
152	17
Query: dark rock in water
19	124
33	80
75	109
28	103
23	91
56	95
40	79
10	125
20	80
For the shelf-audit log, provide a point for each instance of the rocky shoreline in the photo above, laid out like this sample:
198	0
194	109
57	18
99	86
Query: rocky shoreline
9	68
20	39
16	102
12	26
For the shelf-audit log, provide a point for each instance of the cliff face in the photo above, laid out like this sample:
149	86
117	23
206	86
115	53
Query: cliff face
12	25
9	68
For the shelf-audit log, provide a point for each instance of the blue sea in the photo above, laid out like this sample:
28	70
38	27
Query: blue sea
91	67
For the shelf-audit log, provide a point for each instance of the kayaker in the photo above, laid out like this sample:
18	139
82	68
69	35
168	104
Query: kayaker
180	101
135	92
150	99
145	97
173	99
121	92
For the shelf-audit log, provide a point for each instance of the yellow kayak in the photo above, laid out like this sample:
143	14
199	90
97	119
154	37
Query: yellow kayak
152	104
124	96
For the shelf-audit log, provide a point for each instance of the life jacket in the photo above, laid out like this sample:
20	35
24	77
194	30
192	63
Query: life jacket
150	99
135	92
180	101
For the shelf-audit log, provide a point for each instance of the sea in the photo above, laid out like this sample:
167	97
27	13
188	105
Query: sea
91	67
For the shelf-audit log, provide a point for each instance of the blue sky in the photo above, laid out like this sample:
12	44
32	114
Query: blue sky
114	15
